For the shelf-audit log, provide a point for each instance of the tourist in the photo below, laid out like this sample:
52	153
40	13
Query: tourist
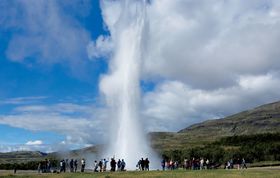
64	166
176	165
48	166
104	164
83	165
39	167
228	165
75	165
147	162
100	166
171	164
139	165
207	164
61	165
95	165
113	165
142	163
15	168
122	165
186	163
71	165
163	164
238	163
167	164
201	163
243	164
231	163
193	163
119	164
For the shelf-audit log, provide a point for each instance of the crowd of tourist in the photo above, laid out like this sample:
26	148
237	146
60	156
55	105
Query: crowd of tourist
142	165
240	163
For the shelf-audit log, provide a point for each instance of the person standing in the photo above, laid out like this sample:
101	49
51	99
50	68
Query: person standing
100	166
71	165
95	165
15	168
201	163
163	164
244	163
122	165
83	165
147	164
39	167
238	163
142	163
113	165
49	166
207	164
119	165
75	165
104	165
64	166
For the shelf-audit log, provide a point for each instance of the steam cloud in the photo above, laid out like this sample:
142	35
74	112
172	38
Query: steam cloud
121	86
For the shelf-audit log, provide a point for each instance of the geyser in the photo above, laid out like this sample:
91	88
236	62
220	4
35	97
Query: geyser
121	86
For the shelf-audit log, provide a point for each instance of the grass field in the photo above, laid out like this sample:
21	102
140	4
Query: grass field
250	173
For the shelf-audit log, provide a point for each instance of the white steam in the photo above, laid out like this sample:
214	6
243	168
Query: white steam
121	86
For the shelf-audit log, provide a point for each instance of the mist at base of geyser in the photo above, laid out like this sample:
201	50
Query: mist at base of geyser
121	86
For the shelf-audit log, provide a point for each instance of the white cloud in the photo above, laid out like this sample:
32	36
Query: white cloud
63	108
35	142
80	124
46	148
23	100
46	32
102	47
207	59
174	105
201	41
24	147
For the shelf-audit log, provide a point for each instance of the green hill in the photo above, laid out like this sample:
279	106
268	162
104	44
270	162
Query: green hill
21	156
263	119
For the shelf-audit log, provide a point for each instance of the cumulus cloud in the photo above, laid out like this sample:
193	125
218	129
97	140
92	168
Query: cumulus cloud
43	31
174	104
202	41
102	47
207	59
79	124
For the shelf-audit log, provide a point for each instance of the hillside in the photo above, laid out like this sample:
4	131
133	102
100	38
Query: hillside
26	156
263	119
21	156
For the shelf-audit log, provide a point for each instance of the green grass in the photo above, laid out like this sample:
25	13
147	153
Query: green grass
265	164
250	173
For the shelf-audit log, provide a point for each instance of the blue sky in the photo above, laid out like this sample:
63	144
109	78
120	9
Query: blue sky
202	60
51	83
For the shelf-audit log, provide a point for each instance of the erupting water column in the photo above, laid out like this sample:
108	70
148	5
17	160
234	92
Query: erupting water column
122	85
